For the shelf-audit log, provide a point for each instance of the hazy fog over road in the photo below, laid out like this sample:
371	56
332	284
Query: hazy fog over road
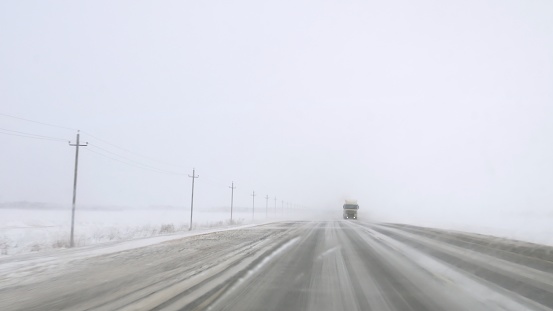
429	108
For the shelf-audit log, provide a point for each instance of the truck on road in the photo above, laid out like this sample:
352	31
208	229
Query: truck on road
350	209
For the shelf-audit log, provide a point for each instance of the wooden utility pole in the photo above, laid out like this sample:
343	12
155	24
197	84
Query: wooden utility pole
232	187
192	200
253	205
77	145
266	206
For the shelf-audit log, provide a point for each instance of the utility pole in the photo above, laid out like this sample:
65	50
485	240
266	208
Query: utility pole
275	205
192	200
232	187
77	145
282	206
253	204
266	206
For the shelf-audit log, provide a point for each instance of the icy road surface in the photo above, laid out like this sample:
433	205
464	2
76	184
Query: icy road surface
337	265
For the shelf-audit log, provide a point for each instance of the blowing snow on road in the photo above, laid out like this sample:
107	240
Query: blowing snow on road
295	265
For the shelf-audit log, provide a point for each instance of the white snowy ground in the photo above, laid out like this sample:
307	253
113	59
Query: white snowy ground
530	227
34	230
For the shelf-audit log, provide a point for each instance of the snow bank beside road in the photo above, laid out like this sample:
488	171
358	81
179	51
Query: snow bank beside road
33	230
27	267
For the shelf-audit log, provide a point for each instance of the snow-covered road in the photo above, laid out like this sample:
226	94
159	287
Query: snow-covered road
294	265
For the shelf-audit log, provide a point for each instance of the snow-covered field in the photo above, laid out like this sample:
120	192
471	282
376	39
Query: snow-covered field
33	230
529	227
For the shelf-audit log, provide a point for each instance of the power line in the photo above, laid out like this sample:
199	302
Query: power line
214	183
136	162
135	165
84	132
38	122
50	138
17	135
30	135
128	151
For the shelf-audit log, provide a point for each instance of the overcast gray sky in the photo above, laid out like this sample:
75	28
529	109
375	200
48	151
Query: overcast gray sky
407	106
